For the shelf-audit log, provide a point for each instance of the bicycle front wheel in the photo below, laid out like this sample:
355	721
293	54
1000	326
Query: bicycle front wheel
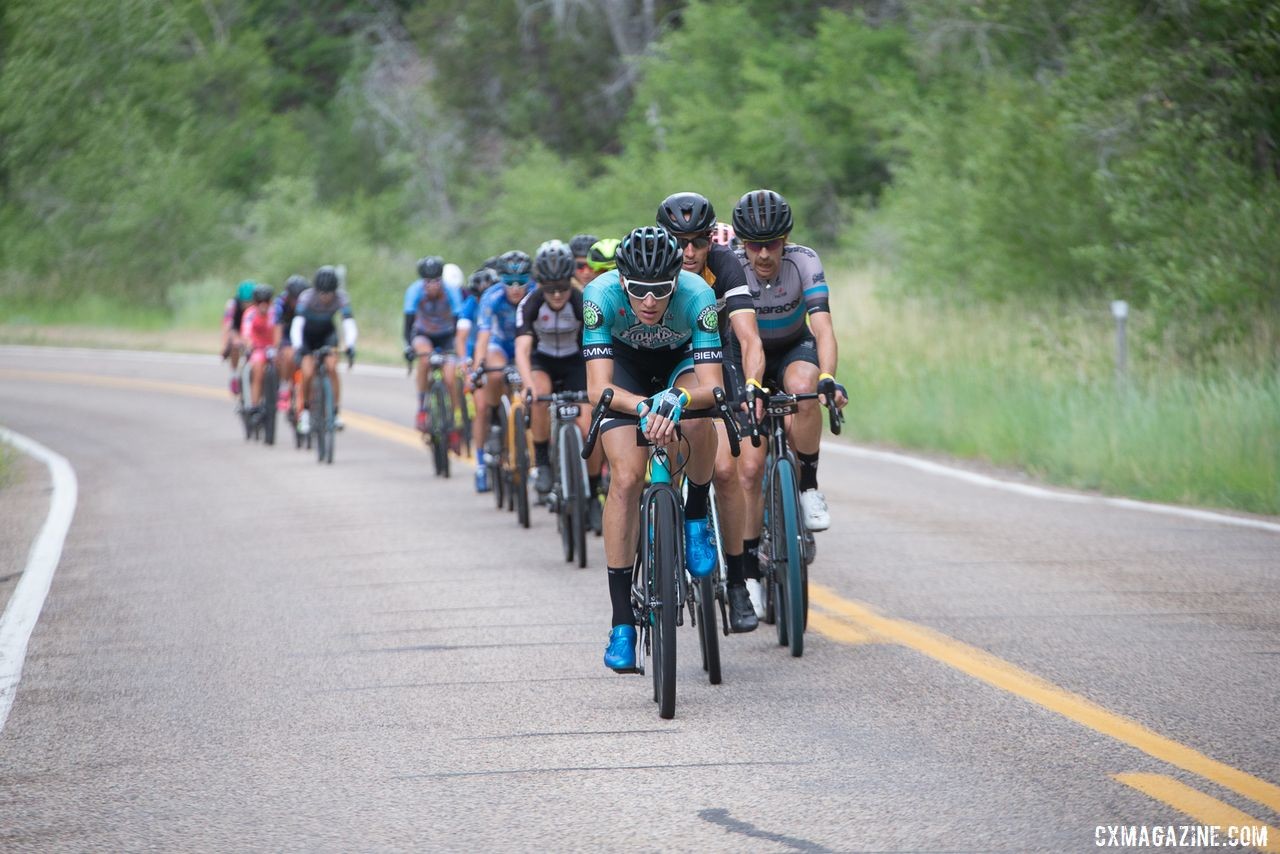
439	408
708	637
786	547
270	391
329	432
664	563
520	471
573	477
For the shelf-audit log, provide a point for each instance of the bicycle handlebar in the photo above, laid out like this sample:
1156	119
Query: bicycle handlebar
719	410
779	399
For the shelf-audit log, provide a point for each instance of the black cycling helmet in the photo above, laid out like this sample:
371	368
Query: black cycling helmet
431	267
649	254
295	285
515	265
554	262
762	215
263	293
326	279
481	280
686	213
581	244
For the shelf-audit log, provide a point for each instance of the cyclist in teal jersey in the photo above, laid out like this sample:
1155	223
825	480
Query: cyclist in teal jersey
651	334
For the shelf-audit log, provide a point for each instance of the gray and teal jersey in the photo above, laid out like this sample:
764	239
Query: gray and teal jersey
799	289
689	324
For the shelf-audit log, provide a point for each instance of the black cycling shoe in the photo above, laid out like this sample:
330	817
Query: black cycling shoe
542	480
742	616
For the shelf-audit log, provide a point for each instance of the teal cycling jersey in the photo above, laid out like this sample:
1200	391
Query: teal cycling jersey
690	322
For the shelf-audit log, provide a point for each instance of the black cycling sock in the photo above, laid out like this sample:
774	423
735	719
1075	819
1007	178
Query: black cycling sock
695	506
541	453
594	480
422	401
620	595
493	416
751	558
808	471
733	570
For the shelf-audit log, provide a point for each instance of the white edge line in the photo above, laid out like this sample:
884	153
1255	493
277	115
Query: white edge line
1040	492
28	597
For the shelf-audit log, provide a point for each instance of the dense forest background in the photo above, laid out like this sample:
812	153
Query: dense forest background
979	149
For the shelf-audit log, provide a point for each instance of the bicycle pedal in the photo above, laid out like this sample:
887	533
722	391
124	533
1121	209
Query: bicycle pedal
626	670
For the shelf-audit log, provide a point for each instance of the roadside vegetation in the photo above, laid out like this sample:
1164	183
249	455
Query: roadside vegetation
997	171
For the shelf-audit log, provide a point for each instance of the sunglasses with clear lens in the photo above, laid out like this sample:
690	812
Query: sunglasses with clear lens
761	245
657	290
701	242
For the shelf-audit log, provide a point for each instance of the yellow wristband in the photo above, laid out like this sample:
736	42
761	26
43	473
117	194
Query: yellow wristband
685	392
826	377
755	382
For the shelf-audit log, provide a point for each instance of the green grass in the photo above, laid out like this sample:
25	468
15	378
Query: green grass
1035	388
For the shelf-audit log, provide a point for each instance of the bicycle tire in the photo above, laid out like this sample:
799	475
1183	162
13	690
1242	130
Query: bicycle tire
520	472
316	401
579	491
665	563
794	596
708	637
465	410
439	407
564	495
326	385
270	391
495	461
771	543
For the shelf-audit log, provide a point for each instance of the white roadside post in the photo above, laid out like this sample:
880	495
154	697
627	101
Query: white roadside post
1120	311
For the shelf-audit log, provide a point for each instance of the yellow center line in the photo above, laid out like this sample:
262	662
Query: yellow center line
1204	809
1007	677
370	424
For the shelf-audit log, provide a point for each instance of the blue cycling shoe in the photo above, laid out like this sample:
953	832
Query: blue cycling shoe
620	654
699	548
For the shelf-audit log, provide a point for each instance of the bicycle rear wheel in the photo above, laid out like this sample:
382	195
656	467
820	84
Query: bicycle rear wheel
520	471
439	408
786	546
317	405
664	563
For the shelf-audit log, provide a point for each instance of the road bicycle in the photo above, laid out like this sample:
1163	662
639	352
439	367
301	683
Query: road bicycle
658	583
259	422
439	412
320	401
784	570
570	486
507	448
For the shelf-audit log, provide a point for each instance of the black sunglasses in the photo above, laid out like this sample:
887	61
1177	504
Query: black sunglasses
700	242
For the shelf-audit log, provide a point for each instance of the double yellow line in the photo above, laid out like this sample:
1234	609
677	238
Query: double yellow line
849	622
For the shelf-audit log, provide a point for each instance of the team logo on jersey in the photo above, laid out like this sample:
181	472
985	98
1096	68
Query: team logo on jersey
591	315
708	321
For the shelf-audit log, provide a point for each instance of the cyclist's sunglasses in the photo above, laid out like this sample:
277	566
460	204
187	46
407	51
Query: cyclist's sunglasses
702	241
557	287
657	290
582	264
516	281
760	245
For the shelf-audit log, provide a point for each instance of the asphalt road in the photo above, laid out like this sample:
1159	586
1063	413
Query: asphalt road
244	650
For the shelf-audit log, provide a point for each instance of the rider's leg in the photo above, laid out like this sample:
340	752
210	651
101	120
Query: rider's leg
308	366
422	346
627	463
540	427
258	367
331	363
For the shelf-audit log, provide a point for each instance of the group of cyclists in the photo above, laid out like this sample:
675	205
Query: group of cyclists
663	317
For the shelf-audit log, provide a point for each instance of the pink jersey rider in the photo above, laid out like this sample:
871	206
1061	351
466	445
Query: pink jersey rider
258	332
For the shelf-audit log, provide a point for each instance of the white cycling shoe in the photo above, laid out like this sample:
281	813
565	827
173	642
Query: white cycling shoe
304	422
756	592
813	504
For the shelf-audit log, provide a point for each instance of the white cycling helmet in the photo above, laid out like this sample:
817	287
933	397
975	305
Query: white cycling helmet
453	277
